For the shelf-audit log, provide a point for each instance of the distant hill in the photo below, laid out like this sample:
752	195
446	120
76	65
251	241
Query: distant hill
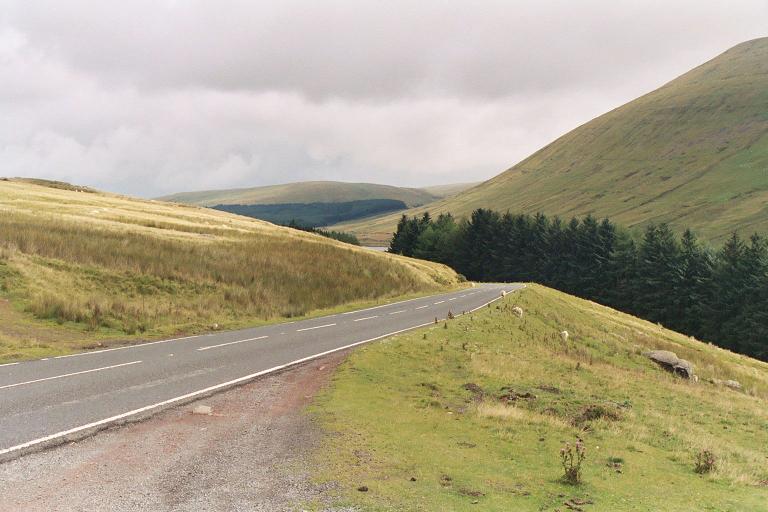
306	192
81	268
316	203
693	153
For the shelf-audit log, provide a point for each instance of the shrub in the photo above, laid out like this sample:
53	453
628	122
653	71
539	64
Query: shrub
571	457
705	462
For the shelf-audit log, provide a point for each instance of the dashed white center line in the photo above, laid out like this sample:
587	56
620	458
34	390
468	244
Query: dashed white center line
452	298
397	312
422	307
231	343
8	364
462	296
316	327
439	302
366	318
68	375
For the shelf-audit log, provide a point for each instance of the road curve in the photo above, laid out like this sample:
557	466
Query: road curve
50	401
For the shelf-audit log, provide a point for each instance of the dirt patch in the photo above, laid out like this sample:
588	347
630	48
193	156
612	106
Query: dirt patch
251	453
595	412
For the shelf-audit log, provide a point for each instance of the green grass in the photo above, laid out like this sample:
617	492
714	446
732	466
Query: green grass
693	153
81	269
312	192
401	409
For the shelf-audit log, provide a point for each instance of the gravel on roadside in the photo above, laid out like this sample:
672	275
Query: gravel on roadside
251	453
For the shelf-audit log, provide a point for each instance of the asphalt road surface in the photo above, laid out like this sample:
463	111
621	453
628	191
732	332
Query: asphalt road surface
50	401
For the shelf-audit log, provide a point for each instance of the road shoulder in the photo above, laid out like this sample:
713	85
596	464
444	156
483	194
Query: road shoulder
251	453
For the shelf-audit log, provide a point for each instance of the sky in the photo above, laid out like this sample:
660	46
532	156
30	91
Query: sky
161	96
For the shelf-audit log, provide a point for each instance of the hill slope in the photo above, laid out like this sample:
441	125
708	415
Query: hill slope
472	416
78	266
692	153
306	192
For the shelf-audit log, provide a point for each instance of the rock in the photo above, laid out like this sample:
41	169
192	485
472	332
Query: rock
733	384
518	311
503	293
214	327
564	335
670	362
202	409
363	488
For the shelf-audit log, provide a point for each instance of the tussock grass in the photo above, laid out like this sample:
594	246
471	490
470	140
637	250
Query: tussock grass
115	266
407	404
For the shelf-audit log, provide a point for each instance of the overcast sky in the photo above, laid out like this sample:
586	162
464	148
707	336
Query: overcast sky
159	96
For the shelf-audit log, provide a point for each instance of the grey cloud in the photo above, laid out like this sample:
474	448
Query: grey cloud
150	97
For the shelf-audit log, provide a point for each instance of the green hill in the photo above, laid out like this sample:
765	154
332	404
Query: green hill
306	192
693	153
473	415
80	268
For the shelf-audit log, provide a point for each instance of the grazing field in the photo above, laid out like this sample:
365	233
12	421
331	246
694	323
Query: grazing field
473	415
79	268
692	153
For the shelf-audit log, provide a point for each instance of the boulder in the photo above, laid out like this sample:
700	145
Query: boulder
518	311
733	384
670	362
564	336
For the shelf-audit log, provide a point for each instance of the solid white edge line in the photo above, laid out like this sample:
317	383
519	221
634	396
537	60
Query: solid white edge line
316	327
231	343
193	394
68	375
366	318
8	364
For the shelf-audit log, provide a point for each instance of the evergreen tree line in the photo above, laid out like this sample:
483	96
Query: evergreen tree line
341	236
680	282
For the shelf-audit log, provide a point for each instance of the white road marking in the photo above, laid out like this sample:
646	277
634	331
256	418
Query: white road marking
106	421
366	318
462	296
8	364
397	312
422	307
453	298
231	343
439	302
316	327
127	346
68	375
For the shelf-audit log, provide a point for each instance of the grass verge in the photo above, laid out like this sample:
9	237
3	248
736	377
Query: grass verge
472	416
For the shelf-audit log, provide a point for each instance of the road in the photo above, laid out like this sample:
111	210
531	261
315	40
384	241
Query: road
50	401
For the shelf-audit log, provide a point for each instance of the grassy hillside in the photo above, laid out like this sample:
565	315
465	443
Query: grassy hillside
78	267
472	416
305	192
692	153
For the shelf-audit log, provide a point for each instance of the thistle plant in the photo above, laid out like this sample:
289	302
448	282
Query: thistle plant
705	462
571	457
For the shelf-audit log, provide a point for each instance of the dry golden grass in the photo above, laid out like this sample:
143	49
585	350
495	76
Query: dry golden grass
118	266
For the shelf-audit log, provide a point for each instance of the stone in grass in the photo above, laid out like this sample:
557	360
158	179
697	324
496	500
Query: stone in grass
670	362
203	409
363	488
